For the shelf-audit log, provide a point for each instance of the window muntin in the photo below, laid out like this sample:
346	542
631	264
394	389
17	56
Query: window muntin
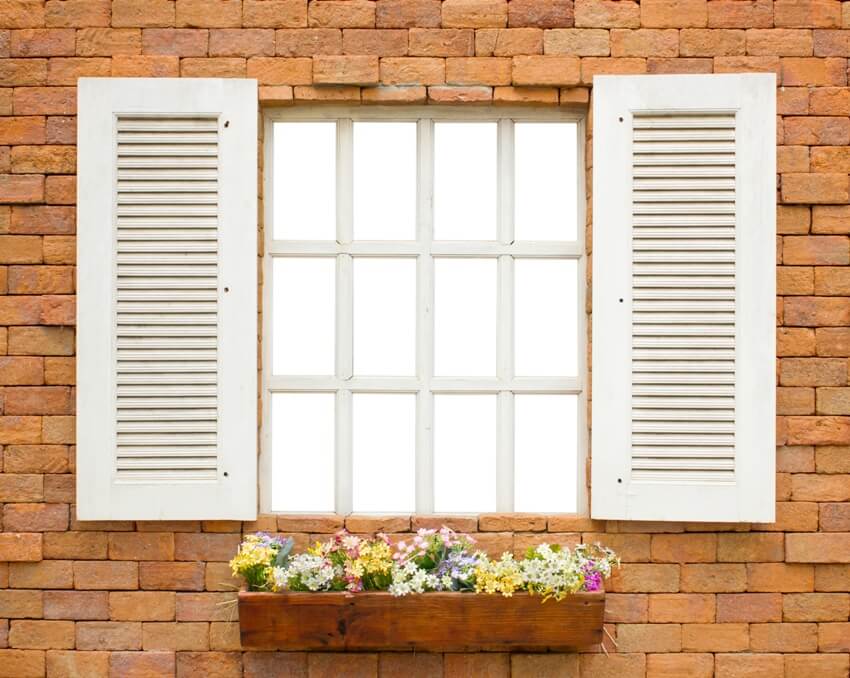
400	333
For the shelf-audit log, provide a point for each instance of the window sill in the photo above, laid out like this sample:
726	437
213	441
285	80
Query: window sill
430	622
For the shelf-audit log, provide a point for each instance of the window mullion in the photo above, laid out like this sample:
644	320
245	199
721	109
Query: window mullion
505	321
425	317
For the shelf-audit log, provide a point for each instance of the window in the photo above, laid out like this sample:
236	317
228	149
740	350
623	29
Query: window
424	325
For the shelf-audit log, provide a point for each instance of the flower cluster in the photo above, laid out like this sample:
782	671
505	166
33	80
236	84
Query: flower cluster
430	560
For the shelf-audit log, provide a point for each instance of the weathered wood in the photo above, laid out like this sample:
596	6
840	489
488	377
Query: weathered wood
431	622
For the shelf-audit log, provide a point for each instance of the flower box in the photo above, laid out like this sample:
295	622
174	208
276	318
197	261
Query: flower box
429	622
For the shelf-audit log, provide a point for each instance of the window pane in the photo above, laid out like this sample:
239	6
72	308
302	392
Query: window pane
465	317
305	180
546	317
302	451
545	442
546	181
465	181
303	315
385	316
384	440
384	180
464	453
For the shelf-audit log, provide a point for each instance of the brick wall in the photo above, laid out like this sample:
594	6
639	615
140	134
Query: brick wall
142	599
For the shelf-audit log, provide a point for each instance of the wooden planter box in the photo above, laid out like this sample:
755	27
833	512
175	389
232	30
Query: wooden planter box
430	622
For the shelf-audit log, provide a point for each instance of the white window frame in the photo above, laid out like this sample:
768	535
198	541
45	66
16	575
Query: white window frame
424	249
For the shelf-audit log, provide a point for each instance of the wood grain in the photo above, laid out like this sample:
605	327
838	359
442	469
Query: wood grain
431	622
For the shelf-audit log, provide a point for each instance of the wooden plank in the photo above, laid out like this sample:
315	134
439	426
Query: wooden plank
431	622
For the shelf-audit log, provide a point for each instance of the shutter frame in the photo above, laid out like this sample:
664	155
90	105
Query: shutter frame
231	491
615	494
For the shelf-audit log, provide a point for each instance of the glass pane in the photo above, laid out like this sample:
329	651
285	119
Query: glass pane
545	440
305	180
465	180
465	317
546	316
546	181
464	453
384	180
303	315
384	443
385	316
303	452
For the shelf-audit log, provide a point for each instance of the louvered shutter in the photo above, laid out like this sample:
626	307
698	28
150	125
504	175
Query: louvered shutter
684	297
167	299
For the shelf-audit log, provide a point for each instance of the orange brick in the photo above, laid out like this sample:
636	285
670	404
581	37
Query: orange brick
607	14
808	13
77	13
109	41
148	66
715	637
347	14
784	637
412	71
817	548
640	578
21	487
792	101
831	43
142	13
18	371
42	220
206	606
77	663
684	548
522	666
795	280
23	72
384	42
815	188
674	665
795	459
834	637
736	14
141	664
649	637
816	607
814	487
674	13
478	71
482	664
52	574
813	372
173	576
141	546
23	663
242	42
779	42
141	605
35	517
811	131
779	577
576	42
327	93
644	42
474	13
76	605
108	635
22	130
681	608
274	13
441	42
591	66
526	95
553	14
75	545
822	665
829	100
546	70
626	607
308	42
713	578
41	280
176	637
831	219
60	190
22	13
689	65
835	517
219	67
832	460
408	13
38	634
94	575
66	70
508	41
209	13
830	159
749	607
42	42
45	101
225	664
813	71
280	71
184	42
21	189
38	400
747	64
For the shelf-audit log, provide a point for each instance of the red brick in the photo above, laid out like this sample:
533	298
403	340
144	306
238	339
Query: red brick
383	42
242	42
61	129
21	487
60	190
749	607
290	664
38	400
35	517
831	43
736	14
48	220
552	14
148	66
307	42
21	189
526	95
45	101
44	574
41	341
811	131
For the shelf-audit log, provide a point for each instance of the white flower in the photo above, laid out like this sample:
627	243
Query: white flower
314	573
410	578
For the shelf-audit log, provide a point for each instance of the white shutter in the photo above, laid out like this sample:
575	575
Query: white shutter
684	199
167	299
